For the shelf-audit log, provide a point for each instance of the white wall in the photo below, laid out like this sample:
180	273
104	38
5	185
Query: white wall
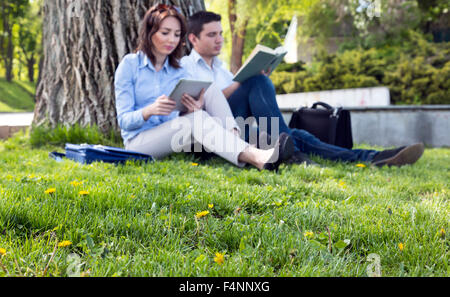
363	97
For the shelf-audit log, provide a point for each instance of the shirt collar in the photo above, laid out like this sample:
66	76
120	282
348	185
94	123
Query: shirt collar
196	57
144	61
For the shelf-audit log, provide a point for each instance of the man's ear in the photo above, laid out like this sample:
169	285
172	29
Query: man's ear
192	39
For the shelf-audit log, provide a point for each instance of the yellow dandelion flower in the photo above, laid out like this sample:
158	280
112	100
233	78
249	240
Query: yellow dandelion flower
210	206
308	234
401	246
219	258
201	214
194	164
75	183
86	273
360	165
442	233
83	193
64	243
342	184
50	191
2	252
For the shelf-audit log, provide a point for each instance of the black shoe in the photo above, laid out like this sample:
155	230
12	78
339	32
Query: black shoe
400	156
300	158
284	149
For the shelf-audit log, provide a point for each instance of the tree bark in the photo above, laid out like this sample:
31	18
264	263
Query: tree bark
83	43
237	37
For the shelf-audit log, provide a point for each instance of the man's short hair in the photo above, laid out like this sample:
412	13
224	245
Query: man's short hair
197	20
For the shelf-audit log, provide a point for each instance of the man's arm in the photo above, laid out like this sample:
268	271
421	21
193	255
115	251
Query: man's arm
227	92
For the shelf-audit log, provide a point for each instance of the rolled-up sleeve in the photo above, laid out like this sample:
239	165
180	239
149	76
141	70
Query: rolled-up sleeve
129	119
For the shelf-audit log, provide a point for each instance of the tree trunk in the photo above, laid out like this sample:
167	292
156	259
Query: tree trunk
83	43
237	51
237	37
8	53
30	66
9	59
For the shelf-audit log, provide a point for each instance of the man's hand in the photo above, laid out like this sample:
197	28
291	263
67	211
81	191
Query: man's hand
266	73
162	106
231	89
191	104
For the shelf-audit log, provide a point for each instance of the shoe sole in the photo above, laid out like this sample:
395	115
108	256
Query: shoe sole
409	155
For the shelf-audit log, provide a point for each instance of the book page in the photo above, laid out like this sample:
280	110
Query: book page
260	59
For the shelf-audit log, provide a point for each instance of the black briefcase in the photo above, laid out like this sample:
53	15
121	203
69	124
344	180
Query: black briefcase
329	124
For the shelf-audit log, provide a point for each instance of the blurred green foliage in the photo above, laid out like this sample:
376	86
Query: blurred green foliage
417	72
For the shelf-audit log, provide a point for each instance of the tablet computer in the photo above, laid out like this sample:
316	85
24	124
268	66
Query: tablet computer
190	87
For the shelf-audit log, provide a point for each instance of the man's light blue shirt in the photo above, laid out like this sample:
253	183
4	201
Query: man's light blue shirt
137	85
197	68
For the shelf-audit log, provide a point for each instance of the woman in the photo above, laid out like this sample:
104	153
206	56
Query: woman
147	117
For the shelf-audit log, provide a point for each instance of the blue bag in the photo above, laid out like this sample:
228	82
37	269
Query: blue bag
86	154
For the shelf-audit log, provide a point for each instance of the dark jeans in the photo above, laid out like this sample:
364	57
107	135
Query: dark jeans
256	97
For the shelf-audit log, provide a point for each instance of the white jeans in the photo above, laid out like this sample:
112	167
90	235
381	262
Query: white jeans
211	128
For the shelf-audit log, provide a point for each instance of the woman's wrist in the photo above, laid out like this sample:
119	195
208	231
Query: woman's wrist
147	114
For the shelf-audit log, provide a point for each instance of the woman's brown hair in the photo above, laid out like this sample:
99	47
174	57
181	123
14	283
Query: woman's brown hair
151	24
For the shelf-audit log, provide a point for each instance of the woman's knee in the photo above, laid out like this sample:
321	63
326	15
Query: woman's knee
200	119
196	115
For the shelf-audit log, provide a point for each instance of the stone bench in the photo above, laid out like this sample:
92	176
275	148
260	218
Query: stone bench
375	121
389	126
8	131
11	123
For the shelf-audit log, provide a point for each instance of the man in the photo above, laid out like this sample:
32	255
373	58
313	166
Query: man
256	98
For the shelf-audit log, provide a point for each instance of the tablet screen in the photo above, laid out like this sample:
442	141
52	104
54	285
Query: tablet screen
191	87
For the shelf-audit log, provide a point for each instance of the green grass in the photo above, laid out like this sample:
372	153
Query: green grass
139	219
16	96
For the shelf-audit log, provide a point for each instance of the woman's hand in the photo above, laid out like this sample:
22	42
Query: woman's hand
191	104
162	106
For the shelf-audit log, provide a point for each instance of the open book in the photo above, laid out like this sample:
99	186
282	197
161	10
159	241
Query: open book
262	58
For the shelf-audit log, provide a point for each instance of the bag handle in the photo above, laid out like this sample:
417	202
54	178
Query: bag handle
57	156
323	104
